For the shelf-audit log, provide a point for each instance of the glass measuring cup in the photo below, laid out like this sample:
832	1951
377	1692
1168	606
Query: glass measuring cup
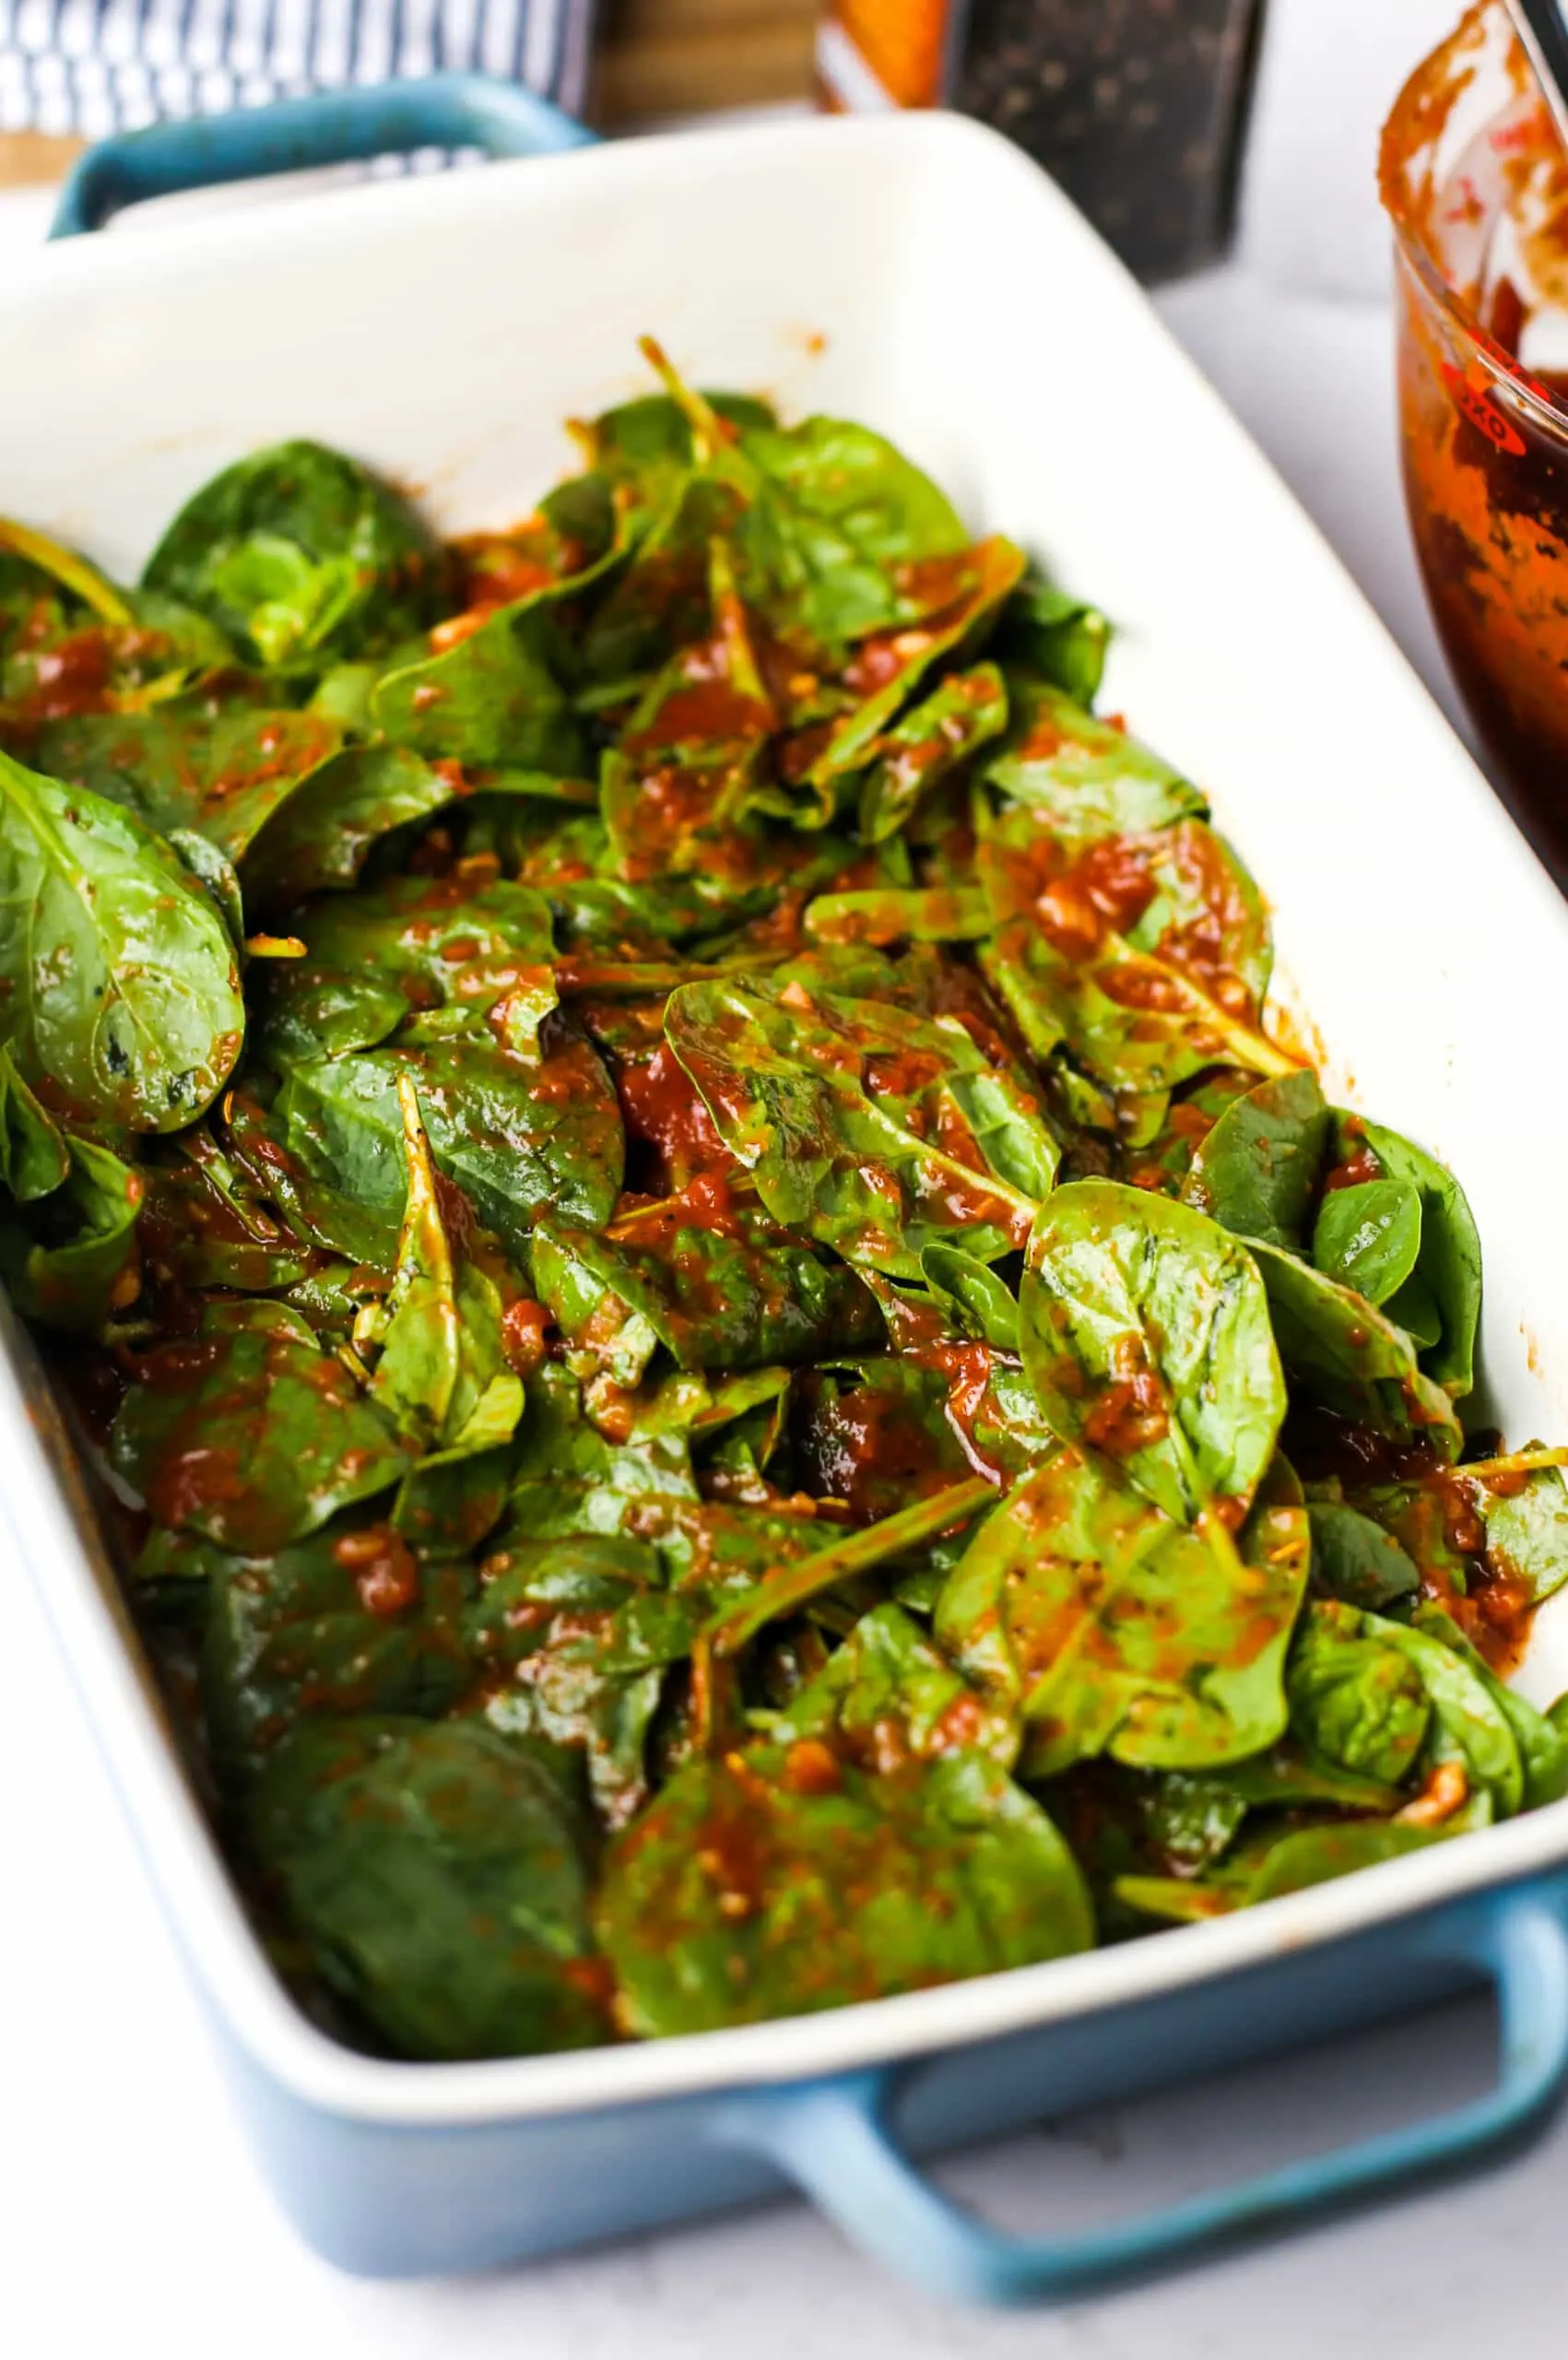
1476	186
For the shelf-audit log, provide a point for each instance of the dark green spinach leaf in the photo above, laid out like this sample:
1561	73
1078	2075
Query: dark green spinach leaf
439	1874
249	1433
1110	1628
118	979
1084	778
873	1131
1146	1333
1256	1171
1368	1237
296	552
778	1882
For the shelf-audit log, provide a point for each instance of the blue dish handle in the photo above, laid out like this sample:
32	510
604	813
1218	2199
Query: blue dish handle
345	126
832	2138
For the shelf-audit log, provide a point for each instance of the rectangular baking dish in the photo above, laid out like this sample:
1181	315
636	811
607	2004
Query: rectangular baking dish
919	272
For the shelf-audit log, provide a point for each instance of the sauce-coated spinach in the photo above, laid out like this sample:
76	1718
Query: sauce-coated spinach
752	1375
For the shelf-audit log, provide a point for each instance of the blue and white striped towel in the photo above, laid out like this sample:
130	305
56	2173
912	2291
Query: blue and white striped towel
93	66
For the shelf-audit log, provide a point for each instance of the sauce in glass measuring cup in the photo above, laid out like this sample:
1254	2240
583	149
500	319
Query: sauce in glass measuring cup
1476	182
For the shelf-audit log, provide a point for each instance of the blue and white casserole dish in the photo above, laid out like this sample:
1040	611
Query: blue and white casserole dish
919	274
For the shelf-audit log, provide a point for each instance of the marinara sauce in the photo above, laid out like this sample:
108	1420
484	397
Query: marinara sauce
1476	182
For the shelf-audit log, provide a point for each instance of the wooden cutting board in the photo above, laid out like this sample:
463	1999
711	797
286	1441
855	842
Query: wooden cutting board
665	57
34	160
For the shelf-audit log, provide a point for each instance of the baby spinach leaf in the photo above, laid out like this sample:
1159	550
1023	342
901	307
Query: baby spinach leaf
1048	634
405	946
1135	1027
887	1695
889	667
882	914
35	1158
874	1131
645	919
1146	1333
572	1478
586	1572
1291	1776
1347	1355
1413	1308
117	976
453	1500
344	1622
1355	1699
249	1433
977	1302
32	561
732	1293
1188	1820
1146	956
1191	1818
838	534
70	637
440	1372
755	1401
1475	1724
1526	1517
680	784
438	1874
1543	1746
878	1433
65	1264
318	839
215	873
1289	1864
1085	778
777	1881
1419	1514
1449	1263
202	1227
1163	1156
575	534
518	1137
493	698
841	535
169	650
587	1636
1317	1855
184	766
1256	1171
308	1010
296	551
646	446
1368	1236
1112	1628
1355	1560
942	730
1203	913
362	1229
660	601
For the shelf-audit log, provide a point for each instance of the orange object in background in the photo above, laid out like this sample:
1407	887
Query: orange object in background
1477	185
901	46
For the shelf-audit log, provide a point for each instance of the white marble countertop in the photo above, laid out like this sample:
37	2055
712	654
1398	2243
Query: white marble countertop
135	2223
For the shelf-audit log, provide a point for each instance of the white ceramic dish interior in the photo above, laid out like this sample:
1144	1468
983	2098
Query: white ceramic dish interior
918	273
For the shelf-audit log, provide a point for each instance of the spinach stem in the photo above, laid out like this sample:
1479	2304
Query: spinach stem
1518	1462
73	572
788	1586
